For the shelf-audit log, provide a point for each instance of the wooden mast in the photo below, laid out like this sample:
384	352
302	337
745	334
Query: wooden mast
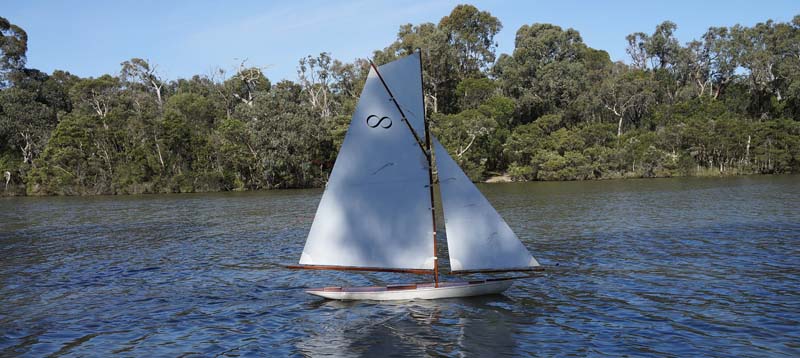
430	171
426	149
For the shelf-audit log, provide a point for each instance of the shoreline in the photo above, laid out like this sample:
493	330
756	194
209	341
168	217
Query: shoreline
496	179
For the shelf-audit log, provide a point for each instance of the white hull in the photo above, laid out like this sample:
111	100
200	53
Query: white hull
415	291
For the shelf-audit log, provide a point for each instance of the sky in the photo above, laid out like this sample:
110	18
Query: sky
184	38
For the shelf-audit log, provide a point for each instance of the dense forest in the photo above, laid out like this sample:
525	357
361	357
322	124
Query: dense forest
555	109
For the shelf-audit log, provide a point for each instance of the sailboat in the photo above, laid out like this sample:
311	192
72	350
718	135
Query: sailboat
377	211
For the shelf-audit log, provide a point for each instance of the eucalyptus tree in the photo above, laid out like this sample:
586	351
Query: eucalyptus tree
438	62
465	134
786	47
636	49
315	76
470	33
770	56
25	122
96	95
723	58
628	94
292	147
662	47
246	83
137	71
69	164
546	71
29	111
13	48
241	87
692	68
188	119
348	79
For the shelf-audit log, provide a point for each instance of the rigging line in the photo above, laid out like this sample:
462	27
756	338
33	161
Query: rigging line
402	114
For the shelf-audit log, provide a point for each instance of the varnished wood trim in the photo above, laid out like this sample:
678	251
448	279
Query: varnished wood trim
505	278
355	268
516	269
430	171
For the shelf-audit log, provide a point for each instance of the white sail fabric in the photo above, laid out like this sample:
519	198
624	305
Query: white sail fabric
375	211
477	236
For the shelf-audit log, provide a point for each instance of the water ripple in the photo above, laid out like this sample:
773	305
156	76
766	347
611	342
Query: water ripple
668	267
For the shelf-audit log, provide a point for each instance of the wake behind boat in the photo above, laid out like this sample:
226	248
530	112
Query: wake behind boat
377	212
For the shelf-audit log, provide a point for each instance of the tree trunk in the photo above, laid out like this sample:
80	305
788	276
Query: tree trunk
157	89
462	151
158	150
27	150
747	151
431	101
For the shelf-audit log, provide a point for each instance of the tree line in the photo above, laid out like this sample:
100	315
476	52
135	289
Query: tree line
553	109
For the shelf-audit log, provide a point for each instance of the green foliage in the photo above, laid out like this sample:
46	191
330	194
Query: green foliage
461	46
474	137
70	161
547	70
25	122
13	46
472	92
554	109
470	33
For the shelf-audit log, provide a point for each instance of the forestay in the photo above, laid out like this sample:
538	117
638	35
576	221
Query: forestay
477	236
375	211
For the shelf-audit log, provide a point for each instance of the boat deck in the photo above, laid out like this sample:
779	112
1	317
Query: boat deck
409	286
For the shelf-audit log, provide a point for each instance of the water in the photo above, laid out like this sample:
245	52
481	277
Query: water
668	267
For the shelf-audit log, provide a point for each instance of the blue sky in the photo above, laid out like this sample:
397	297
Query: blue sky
90	38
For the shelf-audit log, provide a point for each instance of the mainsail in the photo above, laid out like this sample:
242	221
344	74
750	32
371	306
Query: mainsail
375	212
477	236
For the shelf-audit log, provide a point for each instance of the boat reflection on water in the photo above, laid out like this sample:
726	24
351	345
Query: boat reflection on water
479	326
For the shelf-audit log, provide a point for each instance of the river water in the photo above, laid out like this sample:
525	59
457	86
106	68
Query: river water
665	267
